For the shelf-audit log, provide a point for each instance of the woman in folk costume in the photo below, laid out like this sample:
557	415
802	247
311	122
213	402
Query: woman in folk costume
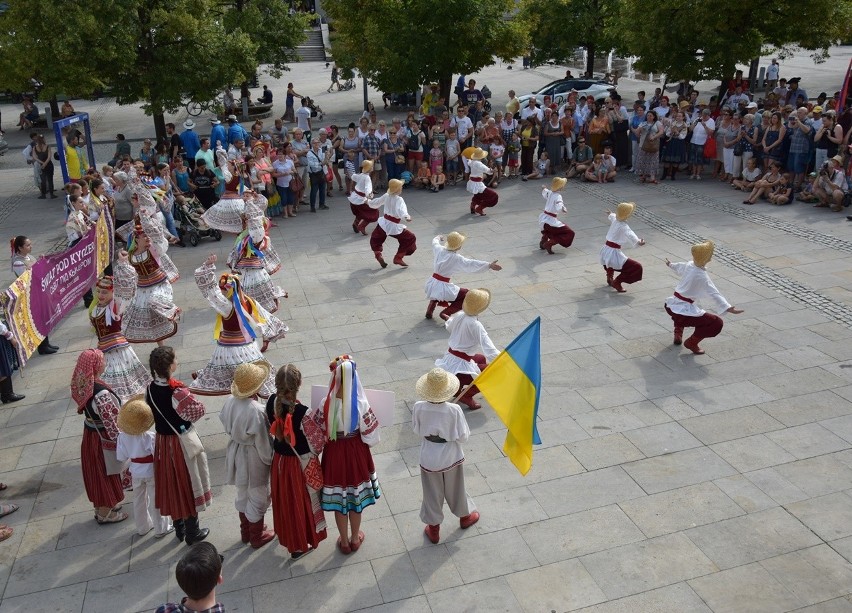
143	278
254	258
226	215
343	428
361	193
124	373
148	206
467	338
390	225
695	284
100	406
249	452
239	322
448	261
181	474
444	428
611	256
298	517
483	197
553	231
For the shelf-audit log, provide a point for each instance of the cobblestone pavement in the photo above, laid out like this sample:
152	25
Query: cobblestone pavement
666	482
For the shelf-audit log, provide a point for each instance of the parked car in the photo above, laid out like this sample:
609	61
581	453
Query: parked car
558	90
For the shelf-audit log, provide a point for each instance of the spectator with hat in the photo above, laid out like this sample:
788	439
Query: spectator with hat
831	185
794	92
190	141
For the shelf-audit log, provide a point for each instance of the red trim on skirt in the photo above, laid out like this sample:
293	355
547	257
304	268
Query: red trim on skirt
406	238
102	490
291	506
172	486
561	235
364	213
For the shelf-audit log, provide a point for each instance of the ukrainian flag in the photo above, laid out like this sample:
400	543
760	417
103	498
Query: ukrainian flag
512	386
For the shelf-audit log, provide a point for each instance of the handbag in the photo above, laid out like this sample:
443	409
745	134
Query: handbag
400	159
739	148
710	148
329	175
311	468
190	442
296	183
651	145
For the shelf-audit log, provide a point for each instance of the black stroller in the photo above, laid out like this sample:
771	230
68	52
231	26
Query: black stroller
190	224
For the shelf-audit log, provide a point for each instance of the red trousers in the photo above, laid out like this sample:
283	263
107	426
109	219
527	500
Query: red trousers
467	379
563	236
631	272
484	200
706	326
406	238
364	213
456	305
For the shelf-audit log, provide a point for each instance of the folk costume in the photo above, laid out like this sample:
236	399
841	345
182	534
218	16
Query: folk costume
447	262
467	338
254	258
390	224
611	256
125	375
100	407
483	197
443	427
249	452
553	231
240	322
226	215
358	199
694	285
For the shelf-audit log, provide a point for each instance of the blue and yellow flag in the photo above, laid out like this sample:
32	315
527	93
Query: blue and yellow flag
512	386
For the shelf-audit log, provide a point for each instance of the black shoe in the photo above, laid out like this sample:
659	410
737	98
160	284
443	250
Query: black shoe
42	197
13	397
54	347
180	529
194	534
313	209
7	394
47	350
323	207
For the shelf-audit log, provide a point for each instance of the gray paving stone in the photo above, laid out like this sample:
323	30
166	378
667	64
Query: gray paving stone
346	588
490	595
507	509
820	475
752	453
418	604
569	586
396	577
829	516
747	588
818	406
678	469
491	555
733	424
799	382
838	605
69	598
548	463
745	493
725	397
808	440
585	491
814	575
604	451
146	589
662	439
675	598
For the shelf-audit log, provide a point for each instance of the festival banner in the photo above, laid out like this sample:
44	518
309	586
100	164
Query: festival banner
41	297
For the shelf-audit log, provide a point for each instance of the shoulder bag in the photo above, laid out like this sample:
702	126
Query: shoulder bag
296	183
190	442
650	145
311	468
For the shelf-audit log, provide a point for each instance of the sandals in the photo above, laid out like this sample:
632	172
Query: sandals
357	544
112	517
5	532
6	509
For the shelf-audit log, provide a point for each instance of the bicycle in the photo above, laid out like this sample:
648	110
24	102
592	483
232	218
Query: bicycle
347	85
195	108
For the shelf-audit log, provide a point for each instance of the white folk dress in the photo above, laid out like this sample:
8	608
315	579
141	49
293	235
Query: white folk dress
249	455
696	285
227	214
446	264
467	335
124	373
619	234
478	170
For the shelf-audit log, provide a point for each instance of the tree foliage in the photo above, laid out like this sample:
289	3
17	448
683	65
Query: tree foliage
400	44
689	40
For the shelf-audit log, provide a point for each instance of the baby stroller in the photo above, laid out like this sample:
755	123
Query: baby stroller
190	225
316	111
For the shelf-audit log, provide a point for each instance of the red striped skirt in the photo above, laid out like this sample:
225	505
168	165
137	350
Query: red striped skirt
172	486
103	490
292	516
349	476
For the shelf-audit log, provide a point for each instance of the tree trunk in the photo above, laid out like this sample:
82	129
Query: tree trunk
590	60
160	126
445	84
54	107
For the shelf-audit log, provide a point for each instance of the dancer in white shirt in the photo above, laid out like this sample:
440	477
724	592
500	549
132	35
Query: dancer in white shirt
448	262
483	197
553	231
390	224
361	193
611	256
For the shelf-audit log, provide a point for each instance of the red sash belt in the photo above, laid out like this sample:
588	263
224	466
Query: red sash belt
461	355
435	275
476	179
685	299
392	219
148	459
549	213
362	194
613	245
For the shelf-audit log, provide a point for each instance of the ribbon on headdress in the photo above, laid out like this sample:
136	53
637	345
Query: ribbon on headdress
283	428
245	247
241	304
345	379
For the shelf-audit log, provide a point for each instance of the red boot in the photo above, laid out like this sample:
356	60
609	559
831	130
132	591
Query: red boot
609	273
616	285
468	398
692	344
355	226
479	211
678	335
244	528
548	246
433	533
363	226
431	308
397	259
468	520
380	259
258	536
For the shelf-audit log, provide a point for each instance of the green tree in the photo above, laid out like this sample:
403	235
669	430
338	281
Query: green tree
688	40
400	44
558	27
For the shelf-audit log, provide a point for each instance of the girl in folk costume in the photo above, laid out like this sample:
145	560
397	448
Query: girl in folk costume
611	256
226	215
695	284
143	278
124	373
343	428
467	338
249	451
254	258
100	406
483	197
448	261
553	231
298	517
181	475
22	260
443	427
239	322
389	225
362	191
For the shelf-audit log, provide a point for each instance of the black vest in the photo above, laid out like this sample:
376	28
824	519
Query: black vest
161	396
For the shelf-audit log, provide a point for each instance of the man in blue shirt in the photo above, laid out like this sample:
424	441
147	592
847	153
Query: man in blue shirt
190	142
218	135
235	130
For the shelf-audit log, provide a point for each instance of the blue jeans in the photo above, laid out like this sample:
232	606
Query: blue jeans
394	171
170	220
317	186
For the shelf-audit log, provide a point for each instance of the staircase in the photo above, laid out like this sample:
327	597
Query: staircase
312	50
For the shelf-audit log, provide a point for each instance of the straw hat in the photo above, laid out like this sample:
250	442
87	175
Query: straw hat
135	417
558	183
367	165
395	187
624	210
476	301
468	151
437	385
683	104
249	378
455	240
838	159
478	154
702	252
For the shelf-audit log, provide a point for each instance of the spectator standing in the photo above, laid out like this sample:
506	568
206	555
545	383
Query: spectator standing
122	149
289	110
235	132
800	145
303	119
173	144
772	72
203	183
44	161
190	141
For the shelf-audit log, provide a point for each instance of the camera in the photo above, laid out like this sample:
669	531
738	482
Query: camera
824	170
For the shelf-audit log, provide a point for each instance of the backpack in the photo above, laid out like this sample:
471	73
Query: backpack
406	177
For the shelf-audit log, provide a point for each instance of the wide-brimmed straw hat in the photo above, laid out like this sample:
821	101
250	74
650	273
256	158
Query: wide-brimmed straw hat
455	240
468	151
135	417
558	183
702	252
367	165
683	104
437	385
624	210
476	301
838	159
395	187
479	154
249	378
